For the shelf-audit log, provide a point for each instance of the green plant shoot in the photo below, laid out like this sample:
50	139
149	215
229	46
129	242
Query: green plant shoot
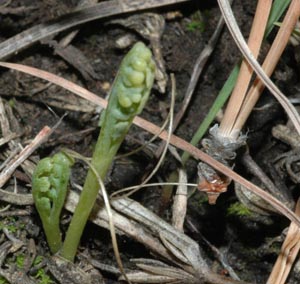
49	188
127	98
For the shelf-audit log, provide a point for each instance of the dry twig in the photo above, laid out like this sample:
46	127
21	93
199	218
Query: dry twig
41	137
102	10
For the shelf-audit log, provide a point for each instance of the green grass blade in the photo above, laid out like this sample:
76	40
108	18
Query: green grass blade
278	8
217	105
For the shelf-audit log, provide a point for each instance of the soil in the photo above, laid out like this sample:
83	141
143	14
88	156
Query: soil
248	242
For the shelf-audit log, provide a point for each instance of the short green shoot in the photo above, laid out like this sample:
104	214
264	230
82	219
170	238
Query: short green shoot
49	188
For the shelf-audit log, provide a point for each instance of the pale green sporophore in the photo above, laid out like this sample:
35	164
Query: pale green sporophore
49	188
127	98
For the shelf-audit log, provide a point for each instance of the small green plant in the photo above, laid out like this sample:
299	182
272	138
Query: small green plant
127	98
49	189
238	209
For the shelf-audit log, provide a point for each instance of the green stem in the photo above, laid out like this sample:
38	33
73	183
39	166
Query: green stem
101	161
53	236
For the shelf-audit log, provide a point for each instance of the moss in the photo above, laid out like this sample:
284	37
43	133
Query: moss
20	260
42	277
10	223
197	23
238	209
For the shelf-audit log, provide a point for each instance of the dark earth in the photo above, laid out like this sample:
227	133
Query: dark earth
250	242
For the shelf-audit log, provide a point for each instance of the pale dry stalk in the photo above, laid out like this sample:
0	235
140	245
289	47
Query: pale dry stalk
289	250
239	93
243	47
269	64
